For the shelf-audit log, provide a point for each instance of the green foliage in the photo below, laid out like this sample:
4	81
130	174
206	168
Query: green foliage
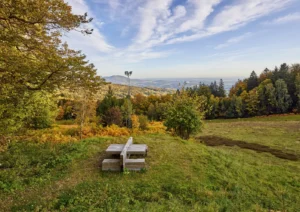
127	111
283	99
297	92
33	59
143	120
41	110
235	108
183	115
35	110
108	102
151	112
113	116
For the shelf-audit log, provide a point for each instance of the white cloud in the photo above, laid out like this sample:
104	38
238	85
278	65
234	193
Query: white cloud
153	13
160	22
284	19
95	42
202	9
234	40
235	16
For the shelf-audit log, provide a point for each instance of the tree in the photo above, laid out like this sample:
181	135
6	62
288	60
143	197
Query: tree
32	56
270	98
41	112
214	88
143	122
126	109
297	92
266	74
113	116
266	97
183	116
283	99
213	108
140	104
252	81
85	108
151	112
221	92
238	88
235	109
36	110
252	103
108	102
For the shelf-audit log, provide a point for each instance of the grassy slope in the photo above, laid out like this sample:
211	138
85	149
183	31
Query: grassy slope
182	175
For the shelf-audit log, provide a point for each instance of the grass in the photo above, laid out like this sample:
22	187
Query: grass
181	175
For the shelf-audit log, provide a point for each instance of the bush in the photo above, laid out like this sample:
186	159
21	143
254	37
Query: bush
143	122
184	116
135	122
113	116
41	111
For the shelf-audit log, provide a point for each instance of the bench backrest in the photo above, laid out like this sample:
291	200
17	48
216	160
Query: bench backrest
123	154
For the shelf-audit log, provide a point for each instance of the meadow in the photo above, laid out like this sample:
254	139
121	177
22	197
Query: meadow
192	175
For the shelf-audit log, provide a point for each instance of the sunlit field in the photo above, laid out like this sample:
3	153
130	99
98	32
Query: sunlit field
180	176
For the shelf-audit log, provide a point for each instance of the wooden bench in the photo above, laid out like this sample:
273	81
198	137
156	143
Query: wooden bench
111	165
135	164
125	162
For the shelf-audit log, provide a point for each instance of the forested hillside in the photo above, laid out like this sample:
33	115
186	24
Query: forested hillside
272	92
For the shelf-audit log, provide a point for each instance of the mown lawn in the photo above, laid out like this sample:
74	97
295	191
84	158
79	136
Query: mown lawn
181	175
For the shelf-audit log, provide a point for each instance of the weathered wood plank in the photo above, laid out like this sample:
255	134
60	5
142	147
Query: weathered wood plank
135	164
123	154
111	165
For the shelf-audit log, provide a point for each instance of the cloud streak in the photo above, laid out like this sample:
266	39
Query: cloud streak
234	40
284	19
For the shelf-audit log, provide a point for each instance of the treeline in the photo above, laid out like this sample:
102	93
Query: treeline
272	92
120	111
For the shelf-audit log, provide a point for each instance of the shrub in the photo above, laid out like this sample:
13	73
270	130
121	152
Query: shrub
113	116
41	111
143	122
184	116
135	122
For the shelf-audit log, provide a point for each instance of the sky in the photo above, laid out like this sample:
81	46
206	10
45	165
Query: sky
188	38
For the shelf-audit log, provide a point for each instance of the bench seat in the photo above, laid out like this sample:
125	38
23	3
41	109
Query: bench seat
135	164
111	165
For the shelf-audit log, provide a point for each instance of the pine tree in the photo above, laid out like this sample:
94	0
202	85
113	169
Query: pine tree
221	92
252	81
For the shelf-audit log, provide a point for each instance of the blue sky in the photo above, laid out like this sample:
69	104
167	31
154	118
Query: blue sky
188	38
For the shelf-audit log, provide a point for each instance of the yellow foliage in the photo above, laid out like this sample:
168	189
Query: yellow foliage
156	127
70	133
135	121
114	130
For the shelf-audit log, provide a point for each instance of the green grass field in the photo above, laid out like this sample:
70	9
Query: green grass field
181	175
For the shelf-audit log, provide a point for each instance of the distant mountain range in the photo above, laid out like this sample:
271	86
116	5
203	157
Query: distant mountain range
168	83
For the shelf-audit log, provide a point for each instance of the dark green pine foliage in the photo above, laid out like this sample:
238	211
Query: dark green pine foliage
252	81
221	92
108	102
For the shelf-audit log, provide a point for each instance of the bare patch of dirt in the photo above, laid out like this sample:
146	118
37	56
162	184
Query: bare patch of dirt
218	141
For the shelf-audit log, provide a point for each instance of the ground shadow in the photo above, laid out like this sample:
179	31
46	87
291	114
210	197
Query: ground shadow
218	141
